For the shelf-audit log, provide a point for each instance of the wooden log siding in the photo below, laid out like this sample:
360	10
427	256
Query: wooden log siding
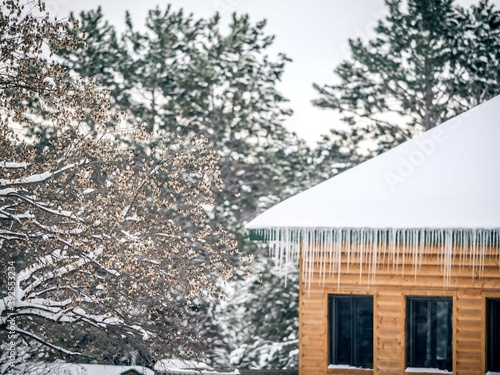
392	283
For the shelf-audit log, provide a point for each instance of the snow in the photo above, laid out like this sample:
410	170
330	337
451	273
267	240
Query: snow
49	81
61	368
13	165
348	367
36	177
427	370
441	187
7	191
178	366
446	178
114	370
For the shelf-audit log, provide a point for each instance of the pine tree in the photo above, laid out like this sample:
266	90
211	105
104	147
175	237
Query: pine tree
260	322
427	63
182	76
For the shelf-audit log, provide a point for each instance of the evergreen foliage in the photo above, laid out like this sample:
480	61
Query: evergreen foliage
429	61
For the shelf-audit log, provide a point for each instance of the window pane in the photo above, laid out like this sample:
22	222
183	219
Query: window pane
364	333
493	335
429	332
422	339
443	334
344	336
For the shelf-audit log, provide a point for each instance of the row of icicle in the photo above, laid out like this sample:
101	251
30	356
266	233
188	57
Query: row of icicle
368	247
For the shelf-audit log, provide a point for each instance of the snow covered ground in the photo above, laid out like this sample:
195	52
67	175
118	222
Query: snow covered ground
62	368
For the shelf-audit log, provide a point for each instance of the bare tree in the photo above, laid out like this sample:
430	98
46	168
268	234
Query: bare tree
89	228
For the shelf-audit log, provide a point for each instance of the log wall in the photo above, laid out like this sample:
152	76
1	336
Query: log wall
469	287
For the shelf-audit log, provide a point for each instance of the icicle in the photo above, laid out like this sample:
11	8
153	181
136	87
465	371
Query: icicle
374	255
447	256
361	253
460	240
403	242
396	251
418	249
322	250
482	251
348	244
497	241
341	244
331	257
473	251
392	248
311	239
382	247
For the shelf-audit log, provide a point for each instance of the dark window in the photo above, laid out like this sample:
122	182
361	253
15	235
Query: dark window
351	330
493	332
429	332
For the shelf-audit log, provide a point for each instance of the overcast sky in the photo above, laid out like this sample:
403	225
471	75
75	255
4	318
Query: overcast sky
313	33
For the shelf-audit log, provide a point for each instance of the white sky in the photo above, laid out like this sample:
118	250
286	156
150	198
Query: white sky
313	33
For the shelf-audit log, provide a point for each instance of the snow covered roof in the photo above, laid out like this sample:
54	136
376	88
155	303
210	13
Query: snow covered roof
446	178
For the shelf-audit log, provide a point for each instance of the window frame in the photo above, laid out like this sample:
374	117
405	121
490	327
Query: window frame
410	330
333	324
492	307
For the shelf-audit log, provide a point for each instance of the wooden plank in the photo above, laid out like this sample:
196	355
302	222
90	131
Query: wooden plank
307	307
313	329
386	365
312	361
390	313
394	344
467	368
314	320
469	336
389	293
314	350
436	282
388	333
469	320
313	339
466	313
471	358
465	348
389	321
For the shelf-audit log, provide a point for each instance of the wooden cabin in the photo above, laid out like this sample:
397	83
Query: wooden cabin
400	256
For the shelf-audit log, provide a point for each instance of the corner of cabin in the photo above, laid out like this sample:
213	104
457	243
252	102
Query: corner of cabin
400	279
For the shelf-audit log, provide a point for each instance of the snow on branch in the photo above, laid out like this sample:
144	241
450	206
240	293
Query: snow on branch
47	343
13	165
93	248
36	178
